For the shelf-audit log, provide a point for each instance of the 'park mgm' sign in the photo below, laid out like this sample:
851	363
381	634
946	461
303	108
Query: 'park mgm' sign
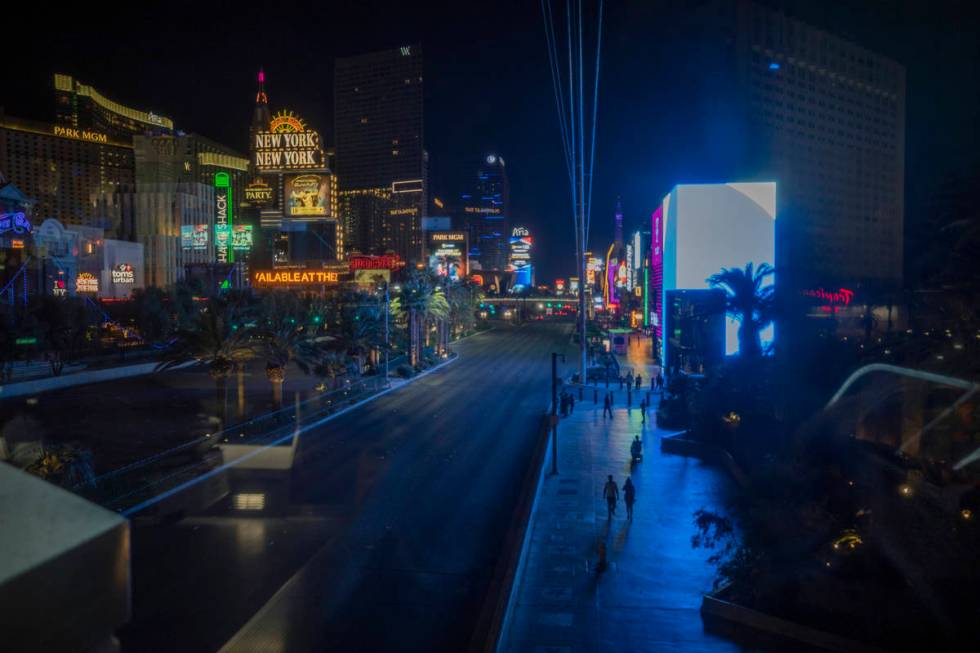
288	145
223	206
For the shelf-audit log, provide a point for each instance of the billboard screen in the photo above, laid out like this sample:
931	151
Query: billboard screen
260	193
308	196
708	227
194	236
447	254
241	237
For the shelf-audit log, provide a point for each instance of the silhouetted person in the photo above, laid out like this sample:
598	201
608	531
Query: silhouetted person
636	449
620	382
571	404
606	407
629	497
639	382
611	494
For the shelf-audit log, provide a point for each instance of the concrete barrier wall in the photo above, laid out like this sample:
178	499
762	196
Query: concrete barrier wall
36	386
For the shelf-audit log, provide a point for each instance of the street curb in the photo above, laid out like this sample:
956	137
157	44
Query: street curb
496	615
130	512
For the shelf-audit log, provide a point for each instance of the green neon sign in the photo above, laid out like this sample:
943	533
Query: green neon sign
224	207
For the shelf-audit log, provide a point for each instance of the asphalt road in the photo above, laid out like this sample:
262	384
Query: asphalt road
377	531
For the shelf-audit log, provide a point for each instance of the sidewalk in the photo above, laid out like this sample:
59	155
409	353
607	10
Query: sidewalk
649	598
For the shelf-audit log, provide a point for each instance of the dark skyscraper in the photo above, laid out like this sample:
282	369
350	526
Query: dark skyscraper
485	212
380	160
822	117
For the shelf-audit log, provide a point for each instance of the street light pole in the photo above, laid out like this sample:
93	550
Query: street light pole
387	341
554	410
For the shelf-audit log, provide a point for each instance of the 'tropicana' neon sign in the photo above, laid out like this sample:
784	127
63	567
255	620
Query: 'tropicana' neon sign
839	297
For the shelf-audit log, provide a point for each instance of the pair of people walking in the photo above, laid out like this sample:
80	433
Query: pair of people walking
611	492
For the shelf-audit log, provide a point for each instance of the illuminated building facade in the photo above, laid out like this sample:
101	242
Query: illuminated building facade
77	176
175	193
823	117
484	210
707	227
380	157
80	106
291	192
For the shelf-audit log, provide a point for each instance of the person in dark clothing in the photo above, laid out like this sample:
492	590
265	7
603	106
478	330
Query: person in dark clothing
629	497
571	404
606	408
620	382
639	382
611	494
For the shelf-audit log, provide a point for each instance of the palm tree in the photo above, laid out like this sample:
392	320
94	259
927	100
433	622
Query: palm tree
463	299
749	301
214	338
419	301
288	344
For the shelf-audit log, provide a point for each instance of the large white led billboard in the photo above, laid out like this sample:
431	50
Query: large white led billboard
707	227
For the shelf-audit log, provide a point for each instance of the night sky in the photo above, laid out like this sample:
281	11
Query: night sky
488	87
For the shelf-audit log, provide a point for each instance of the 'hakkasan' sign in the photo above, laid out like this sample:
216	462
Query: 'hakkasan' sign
294	277
288	145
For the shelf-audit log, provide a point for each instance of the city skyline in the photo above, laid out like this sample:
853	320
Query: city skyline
639	166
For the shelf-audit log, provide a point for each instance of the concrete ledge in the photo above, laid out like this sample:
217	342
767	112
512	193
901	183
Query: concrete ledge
64	568
681	445
733	620
78	378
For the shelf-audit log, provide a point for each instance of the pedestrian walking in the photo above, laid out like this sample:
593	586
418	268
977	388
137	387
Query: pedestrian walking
629	497
621	380
606	407
660	383
611	494
643	413
639	382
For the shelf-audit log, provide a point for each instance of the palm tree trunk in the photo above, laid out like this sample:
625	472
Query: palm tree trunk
277	393
221	394
241	390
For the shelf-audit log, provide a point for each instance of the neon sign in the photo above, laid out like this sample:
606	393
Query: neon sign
80	134
386	262
223	217
294	277
839	297
286	122
123	273
86	282
16	222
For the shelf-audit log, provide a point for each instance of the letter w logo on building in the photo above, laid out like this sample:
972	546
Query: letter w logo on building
406	50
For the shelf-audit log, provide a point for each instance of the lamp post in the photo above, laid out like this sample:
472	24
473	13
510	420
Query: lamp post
554	410
387	339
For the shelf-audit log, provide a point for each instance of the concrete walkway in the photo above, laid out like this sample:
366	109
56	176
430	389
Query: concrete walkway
649	597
